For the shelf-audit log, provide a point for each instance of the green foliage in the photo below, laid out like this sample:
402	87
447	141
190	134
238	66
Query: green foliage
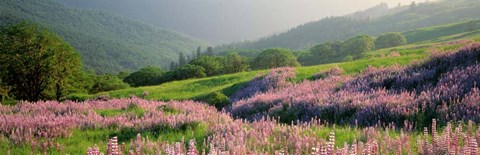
228	84
122	75
80	140
145	77
274	58
358	45
197	68
210	51
323	53
186	72
181	59
213	65
169	110
217	99
326	50
37	64
4	91
347	58
107	82
132	109
392	39
337	51
216	65
248	53
235	63
80	97
107	43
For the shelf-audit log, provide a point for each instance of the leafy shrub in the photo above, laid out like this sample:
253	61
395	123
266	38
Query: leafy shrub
107	82
145	77
188	71
213	65
274	58
392	39
358	45
347	58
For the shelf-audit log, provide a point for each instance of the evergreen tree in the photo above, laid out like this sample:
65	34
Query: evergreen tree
199	52
173	65
181	59
210	51
193	56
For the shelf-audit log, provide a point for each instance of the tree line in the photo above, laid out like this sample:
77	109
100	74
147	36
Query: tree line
205	63
351	49
39	65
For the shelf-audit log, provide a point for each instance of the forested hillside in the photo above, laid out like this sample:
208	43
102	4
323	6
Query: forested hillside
221	21
107	43
414	16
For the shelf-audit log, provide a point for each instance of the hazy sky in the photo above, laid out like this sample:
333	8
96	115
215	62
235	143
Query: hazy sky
223	21
259	18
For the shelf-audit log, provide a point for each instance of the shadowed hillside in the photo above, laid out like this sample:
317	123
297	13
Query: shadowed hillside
107	43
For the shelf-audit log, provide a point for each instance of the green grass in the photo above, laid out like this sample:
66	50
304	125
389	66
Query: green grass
228	84
436	33
132	109
169	110
80	140
197	89
187	89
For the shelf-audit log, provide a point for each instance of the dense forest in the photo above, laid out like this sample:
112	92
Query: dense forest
397	19
106	42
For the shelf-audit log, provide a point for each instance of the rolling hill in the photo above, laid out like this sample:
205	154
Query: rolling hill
398	19
220	21
228	84
106	42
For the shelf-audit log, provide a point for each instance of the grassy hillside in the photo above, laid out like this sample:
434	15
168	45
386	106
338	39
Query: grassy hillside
107	43
92	123
340	28
437	32
228	84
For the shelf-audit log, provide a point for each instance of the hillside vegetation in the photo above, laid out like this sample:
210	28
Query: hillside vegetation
369	95
340	28
228	84
303	102
107	43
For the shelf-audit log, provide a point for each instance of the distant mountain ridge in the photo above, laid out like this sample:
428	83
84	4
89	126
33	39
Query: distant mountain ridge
106	42
398	19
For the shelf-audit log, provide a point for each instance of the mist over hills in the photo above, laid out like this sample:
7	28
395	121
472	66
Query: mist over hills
107	43
225	21
373	21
